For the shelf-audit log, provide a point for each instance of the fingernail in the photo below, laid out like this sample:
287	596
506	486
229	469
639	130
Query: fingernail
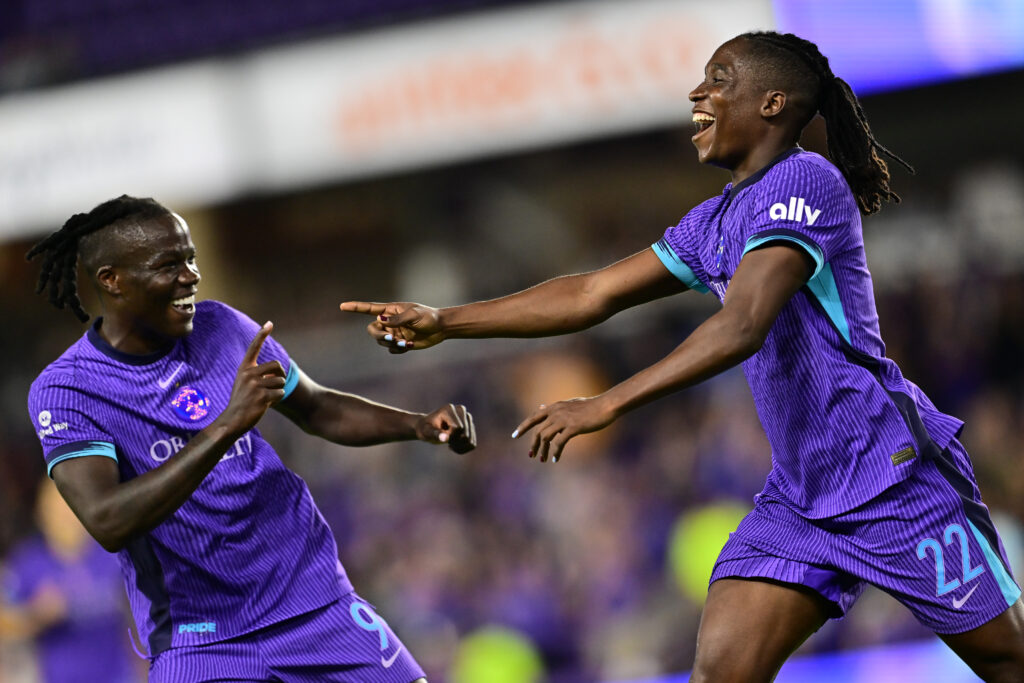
443	438
554	459
402	343
531	454
388	337
383	318
515	434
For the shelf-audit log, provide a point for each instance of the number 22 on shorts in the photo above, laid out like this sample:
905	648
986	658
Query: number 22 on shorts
942	586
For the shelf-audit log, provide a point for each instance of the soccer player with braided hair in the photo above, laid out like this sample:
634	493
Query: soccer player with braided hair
148	428
869	484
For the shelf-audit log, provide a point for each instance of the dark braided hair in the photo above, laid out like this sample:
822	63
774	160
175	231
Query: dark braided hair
61	249
851	144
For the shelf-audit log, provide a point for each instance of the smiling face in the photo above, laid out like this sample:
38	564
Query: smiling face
150	286
729	108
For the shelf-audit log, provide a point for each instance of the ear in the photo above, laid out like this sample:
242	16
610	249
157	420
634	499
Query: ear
773	104
108	281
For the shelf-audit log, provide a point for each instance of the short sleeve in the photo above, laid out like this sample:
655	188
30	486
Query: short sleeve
272	350
804	203
681	245
62	415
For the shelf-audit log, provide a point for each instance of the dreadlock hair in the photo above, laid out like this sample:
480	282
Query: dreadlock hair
61	248
851	144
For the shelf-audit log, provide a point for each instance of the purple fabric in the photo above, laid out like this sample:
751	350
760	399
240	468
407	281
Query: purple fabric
839	415
91	643
909	542
343	642
249	547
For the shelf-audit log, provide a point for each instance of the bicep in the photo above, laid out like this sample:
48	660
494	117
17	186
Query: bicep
765	280
85	481
634	280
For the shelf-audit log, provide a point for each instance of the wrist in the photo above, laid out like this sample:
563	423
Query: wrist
222	431
446	321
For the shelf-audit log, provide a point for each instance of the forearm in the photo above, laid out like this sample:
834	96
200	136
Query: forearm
351	420
559	306
721	342
136	506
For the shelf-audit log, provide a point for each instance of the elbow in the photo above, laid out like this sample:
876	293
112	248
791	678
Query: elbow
111	544
747	337
111	531
109	539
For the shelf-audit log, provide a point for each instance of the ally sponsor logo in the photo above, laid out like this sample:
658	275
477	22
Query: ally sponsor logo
797	210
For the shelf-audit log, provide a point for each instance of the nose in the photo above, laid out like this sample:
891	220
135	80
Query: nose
697	93
190	274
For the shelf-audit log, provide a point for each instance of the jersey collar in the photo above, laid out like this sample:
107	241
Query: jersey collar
750	180
104	347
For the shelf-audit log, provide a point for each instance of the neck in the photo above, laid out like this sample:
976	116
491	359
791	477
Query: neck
758	159
127	339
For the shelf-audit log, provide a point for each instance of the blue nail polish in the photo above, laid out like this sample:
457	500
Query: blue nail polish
402	343
515	434
388	337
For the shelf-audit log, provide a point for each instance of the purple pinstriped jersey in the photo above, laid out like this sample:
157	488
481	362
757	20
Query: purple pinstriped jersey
842	421
249	547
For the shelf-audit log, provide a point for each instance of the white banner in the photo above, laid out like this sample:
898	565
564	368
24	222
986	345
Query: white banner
393	99
167	133
484	84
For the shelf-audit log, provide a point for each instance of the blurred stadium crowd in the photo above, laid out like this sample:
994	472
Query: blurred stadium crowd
576	572
574	558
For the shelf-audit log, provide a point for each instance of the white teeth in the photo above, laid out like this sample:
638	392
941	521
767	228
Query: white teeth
185	301
703	118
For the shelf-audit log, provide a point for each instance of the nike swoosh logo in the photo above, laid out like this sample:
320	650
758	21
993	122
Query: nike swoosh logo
386	663
164	383
957	604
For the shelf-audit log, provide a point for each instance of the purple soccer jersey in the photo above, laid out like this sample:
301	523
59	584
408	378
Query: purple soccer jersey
91	642
249	548
843	423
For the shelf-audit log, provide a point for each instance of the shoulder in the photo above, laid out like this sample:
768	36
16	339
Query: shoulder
805	171
214	317
61	372
703	212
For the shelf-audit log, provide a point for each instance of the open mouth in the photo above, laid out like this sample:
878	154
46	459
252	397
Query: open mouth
186	305
702	122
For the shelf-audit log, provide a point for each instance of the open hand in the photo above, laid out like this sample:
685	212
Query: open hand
400	327
557	423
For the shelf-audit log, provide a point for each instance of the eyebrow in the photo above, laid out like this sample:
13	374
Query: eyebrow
172	253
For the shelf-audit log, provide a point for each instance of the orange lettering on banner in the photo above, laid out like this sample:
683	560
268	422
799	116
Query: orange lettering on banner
586	70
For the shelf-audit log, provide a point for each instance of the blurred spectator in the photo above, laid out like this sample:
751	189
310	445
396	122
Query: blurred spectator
64	592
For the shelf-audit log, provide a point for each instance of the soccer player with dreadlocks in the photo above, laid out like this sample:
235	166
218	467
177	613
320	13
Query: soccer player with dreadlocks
148	427
869	484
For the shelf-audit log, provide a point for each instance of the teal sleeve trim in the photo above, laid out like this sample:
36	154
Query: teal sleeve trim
823	286
676	266
815	253
291	380
1006	584
102	448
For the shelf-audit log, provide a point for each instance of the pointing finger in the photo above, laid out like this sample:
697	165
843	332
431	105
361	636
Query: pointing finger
364	307
256	345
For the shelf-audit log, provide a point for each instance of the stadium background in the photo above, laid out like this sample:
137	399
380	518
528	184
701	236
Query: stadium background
449	150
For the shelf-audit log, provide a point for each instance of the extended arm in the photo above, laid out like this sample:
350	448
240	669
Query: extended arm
114	511
559	306
763	282
355	421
